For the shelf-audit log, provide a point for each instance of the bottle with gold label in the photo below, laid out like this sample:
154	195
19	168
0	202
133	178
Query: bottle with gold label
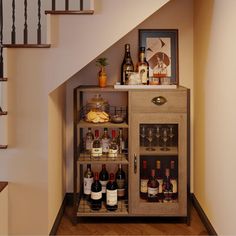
142	66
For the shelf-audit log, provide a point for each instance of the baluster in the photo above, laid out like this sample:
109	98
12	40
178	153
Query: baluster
13	32
67	5
1	40
81	5
25	24
39	23
53	5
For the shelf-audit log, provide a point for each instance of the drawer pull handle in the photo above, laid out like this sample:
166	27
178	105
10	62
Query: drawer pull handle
159	100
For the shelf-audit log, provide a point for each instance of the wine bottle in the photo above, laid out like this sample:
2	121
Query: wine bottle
105	141
120	180
103	178
142	66
88	180
167	186
144	180
127	66
113	147
89	141
96	193
97	147
159	176
173	180
120	141
153	188
112	198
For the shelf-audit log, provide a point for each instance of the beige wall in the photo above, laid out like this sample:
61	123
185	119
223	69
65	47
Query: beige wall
165	18
4	212
56	152
215	114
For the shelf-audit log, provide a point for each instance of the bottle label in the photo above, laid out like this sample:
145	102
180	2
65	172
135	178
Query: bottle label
105	145
152	192
167	196
160	181
104	184
112	152
89	144
143	185
87	185
96	152
174	183
111	197
121	187
96	195
142	70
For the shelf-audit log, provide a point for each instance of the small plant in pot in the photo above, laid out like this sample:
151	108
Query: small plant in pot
102	75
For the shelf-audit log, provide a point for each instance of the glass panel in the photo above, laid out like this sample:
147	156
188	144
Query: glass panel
159	162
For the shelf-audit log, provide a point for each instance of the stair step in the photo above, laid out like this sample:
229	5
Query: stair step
3	79
27	45
3	146
84	12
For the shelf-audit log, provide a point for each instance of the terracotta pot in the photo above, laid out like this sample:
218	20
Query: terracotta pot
102	78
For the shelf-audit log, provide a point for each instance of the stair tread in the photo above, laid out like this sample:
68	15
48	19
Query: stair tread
3	79
3	146
27	45
70	12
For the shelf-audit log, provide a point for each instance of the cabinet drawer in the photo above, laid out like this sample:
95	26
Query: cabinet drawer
158	101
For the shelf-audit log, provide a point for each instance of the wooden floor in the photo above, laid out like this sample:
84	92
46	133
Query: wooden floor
97	226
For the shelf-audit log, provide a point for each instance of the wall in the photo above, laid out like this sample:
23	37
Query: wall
215	115
165	18
4	211
56	152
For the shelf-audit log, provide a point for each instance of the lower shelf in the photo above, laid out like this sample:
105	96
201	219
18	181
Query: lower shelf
85	210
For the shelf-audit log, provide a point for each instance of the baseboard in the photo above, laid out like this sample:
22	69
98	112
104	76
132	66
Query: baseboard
59	215
202	215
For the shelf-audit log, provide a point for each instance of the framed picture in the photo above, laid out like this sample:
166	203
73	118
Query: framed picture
161	52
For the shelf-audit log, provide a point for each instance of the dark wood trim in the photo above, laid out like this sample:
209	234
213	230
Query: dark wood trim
27	45
3	79
86	12
3	113
3	146
3	185
202	215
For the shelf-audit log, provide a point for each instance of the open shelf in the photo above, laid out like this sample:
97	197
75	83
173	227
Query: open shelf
85	124
84	209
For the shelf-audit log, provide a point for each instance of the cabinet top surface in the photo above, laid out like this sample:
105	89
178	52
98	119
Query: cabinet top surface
93	88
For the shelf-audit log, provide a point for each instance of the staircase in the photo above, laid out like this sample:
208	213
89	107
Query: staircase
33	70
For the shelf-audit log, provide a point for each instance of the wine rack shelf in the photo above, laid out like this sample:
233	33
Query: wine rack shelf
157	151
84	209
85	124
85	158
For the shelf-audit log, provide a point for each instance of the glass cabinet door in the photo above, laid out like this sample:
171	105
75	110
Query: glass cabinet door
159	164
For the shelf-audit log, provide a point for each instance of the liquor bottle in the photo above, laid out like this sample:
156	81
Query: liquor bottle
88	180
127	66
167	187
113	147
112	198
89	141
173	180
142	66
96	193
144	180
159	176
120	141
97	147
103	178
153	188
120	180
105	141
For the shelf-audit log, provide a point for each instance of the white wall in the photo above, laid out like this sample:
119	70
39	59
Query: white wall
215	114
165	18
33	74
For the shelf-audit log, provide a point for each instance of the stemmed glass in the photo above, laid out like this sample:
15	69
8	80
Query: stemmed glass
142	134
171	135
158	134
165	138
149	137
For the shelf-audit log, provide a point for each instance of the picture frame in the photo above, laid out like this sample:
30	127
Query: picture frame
161	53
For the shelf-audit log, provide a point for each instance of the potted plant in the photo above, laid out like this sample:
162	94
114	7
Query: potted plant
102	75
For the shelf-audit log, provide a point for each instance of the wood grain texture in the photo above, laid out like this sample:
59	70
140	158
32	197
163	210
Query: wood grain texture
130	226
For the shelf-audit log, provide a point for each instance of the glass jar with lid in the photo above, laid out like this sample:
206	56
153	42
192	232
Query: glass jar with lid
97	103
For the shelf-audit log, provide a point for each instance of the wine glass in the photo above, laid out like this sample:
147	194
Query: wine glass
165	138
158	134
142	134
149	137
171	134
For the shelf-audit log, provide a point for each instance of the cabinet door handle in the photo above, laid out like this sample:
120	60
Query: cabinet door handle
159	100
135	163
